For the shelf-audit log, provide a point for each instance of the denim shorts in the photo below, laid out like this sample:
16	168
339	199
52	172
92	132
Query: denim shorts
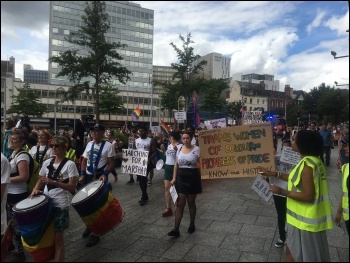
61	218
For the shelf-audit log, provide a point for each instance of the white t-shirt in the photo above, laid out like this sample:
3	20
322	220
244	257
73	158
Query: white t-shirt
188	160
170	154
48	153
107	151
143	144
20	187
5	179
59	196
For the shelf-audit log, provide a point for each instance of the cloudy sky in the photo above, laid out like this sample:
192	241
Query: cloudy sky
291	40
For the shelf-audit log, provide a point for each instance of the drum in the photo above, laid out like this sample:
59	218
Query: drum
97	207
35	218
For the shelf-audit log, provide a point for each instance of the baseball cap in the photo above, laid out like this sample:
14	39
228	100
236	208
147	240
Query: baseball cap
99	127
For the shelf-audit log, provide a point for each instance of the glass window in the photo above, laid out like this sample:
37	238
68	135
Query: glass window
119	10
114	9
137	13
72	22
123	11
133	13
146	16
151	16
129	12
66	32
114	20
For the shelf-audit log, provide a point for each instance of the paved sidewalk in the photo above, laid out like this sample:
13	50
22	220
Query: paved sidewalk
233	224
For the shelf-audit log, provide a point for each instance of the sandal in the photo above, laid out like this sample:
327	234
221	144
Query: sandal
167	212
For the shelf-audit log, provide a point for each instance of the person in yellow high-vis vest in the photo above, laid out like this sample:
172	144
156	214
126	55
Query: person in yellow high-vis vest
343	208
309	212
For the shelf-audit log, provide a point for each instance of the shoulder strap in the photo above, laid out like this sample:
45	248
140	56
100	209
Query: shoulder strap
31	164
59	168
93	166
42	156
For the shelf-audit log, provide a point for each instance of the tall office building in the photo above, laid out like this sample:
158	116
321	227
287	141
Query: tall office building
217	67
32	75
130	24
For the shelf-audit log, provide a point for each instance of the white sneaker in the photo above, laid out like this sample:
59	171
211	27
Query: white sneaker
279	243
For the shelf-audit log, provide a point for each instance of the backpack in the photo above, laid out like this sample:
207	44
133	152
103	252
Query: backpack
34	169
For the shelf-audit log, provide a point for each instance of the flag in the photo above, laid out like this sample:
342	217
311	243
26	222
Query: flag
196	119
243	110
164	127
136	114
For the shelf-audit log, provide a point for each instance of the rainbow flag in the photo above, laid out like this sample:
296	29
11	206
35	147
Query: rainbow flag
136	114
164	127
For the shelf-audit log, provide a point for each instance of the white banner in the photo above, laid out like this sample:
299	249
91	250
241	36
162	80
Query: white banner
155	129
173	194
214	124
262	188
134	162
289	156
180	115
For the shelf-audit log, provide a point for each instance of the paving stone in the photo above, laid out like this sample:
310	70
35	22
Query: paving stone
201	253
251	257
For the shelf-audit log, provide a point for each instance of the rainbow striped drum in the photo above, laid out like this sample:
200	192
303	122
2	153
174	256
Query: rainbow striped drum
97	207
35	217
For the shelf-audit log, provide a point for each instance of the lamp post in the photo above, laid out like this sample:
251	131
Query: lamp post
57	95
336	83
182	100
334	54
150	114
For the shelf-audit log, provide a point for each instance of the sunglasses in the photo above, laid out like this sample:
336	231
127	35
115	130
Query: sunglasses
54	145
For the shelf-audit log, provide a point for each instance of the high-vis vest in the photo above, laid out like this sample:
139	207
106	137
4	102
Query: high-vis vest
345	198
313	216
70	154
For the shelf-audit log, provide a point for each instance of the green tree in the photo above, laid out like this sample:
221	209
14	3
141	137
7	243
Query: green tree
101	61
110	102
185	67
330	104
212	99
26	103
234	109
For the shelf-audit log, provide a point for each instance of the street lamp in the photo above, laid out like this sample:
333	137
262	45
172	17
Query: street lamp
336	83
58	93
334	54
181	100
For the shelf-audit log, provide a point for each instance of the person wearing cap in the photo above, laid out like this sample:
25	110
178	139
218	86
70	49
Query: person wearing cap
57	186
98	162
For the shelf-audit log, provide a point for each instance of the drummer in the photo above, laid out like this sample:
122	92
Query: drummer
17	189
58	184
98	162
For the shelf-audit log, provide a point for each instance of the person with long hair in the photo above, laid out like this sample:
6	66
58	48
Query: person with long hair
309	212
187	181
170	160
42	151
58	184
17	190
